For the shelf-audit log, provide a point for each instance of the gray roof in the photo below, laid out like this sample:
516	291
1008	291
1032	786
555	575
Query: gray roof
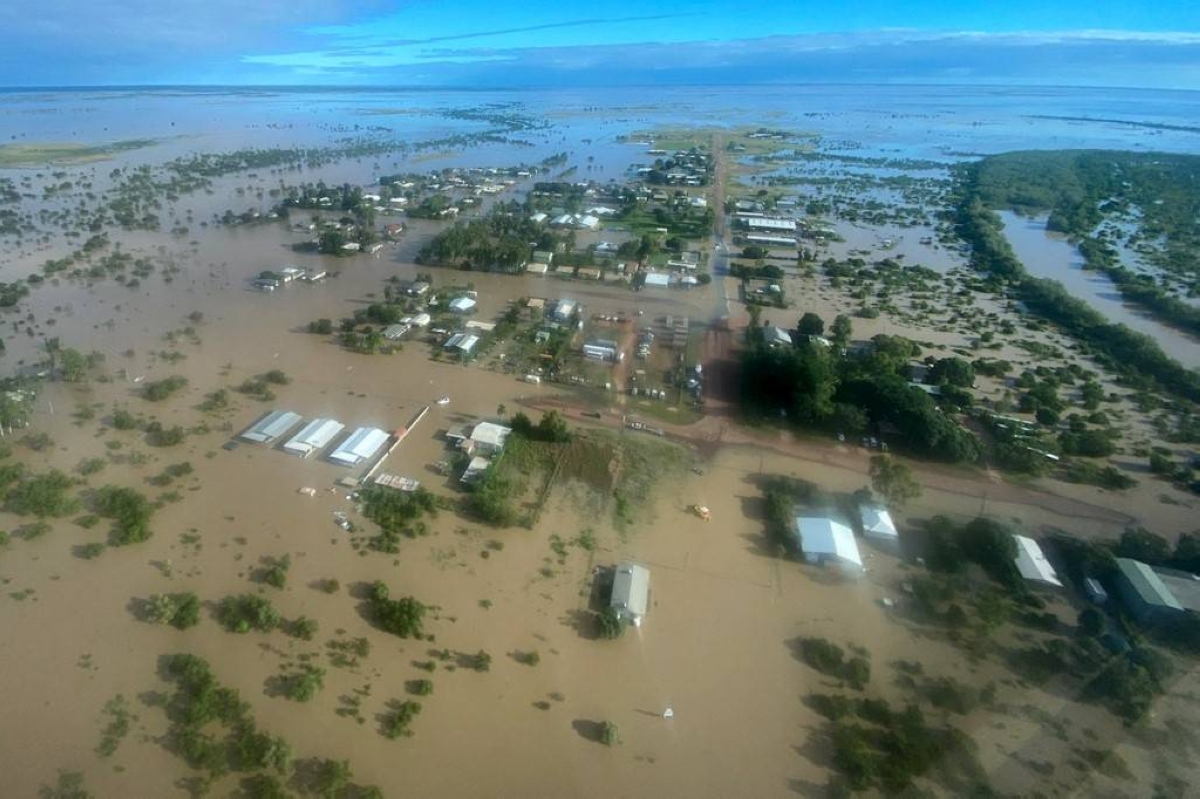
271	426
631	588
1146	583
1183	586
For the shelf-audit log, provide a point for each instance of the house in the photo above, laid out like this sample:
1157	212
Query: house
588	222
420	320
602	350
657	280
1032	563
417	289
462	305
351	246
1144	593
1184	586
771	241
538	218
394	332
271	427
475	469
536	268
631	593
313	437
564	310
587	273
461	343
289	273
877	525
313	275
776	336
489	437
543	256
771	224
825	541
362	445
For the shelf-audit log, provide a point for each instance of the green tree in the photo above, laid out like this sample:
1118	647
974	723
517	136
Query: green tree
72	365
893	480
842	330
810	325
954	371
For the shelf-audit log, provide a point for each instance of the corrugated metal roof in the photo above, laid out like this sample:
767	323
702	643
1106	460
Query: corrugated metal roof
631	589
878	522
1032	563
823	536
314	436
1147	584
362	444
271	426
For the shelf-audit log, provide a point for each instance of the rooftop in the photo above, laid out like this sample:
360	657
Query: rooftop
820	535
631	588
878	522
1032	564
1148	585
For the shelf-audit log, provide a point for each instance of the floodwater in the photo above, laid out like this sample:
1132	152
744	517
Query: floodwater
1052	256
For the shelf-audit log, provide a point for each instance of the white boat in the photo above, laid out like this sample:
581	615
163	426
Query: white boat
443	400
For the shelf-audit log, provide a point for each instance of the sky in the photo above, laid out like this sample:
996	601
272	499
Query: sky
486	43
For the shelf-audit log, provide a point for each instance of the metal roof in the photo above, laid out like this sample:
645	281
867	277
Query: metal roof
271	427
631	589
819	535
493	435
1146	583
314	436
362	444
876	521
1032	564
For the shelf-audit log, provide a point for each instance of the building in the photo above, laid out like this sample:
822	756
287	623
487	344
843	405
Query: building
475	469
394	332
776	336
657	280
417	289
1184	586
462	343
538	218
769	223
877	524
588	222
1032	563
462	305
543	256
313	437
824	541
631	593
771	241
1144	593
602	350
271	427
536	268
289	273
420	320
564	310
489	438
362	445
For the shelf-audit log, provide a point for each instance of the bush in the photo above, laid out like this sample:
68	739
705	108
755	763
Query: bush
829	658
159	390
180	610
419	687
609	624
130	511
609	734
396	723
124	420
402	617
42	495
277	377
303	628
303	685
241	614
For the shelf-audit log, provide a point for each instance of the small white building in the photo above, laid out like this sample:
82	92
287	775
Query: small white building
362	445
462	343
1033	565
462	305
657	280
489	437
776	336
421	320
877	524
537	269
538	218
631	593
271	427
588	222
475	469
825	541
313	437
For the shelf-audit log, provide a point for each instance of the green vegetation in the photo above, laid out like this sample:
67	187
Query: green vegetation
44	153
397	513
419	687
160	390
302	685
990	183
609	624
130	511
276	573
180	610
42	495
69	785
246	612
609	734
120	721
893	480
399	718
830	659
402	617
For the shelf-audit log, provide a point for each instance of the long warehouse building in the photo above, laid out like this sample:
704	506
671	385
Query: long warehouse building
271	427
362	444
314	437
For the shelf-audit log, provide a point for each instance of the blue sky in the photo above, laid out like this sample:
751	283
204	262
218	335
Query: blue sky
481	43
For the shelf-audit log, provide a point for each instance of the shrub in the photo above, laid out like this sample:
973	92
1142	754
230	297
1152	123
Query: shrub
130	511
159	390
402	617
609	624
303	628
419	687
303	685
124	420
396	723
609	734
180	610
42	495
246	612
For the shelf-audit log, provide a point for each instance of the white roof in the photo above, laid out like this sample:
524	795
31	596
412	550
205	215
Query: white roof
271	427
1032	563
491	434
657	279
538	217
772	224
631	589
777	335
462	304
476	467
421	319
823	536
393	332
876	521
462	341
314	436
362	444
538	269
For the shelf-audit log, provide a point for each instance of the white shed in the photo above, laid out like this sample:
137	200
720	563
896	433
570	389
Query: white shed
314	437
631	593
822	540
877	523
462	304
271	427
1032	564
362	444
